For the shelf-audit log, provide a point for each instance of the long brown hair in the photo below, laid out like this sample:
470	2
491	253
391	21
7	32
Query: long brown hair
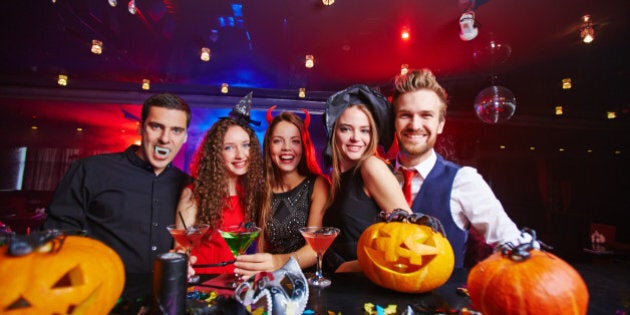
337	155
208	168
273	178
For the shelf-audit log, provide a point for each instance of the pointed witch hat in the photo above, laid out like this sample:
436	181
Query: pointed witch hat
240	111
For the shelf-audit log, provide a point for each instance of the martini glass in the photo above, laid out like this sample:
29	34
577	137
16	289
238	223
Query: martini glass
238	238
319	238
189	238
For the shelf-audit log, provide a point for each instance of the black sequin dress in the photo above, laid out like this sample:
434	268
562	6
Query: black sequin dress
290	212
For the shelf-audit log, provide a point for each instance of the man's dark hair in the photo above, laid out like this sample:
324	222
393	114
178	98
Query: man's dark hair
166	100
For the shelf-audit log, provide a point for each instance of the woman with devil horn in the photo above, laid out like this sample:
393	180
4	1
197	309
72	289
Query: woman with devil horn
294	195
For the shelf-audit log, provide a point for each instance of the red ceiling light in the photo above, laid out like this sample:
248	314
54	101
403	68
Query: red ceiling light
405	34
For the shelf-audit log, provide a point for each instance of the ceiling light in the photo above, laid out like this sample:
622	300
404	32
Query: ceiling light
97	47
468	29
586	31
566	83
611	115
328	2
405	34
146	84
224	88
309	61
113	3
302	92
404	68
132	6
559	111
62	80
205	54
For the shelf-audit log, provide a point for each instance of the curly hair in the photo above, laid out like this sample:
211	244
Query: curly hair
273	178
209	171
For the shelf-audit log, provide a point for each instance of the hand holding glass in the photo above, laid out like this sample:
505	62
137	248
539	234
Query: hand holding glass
319	238
238	238
189	238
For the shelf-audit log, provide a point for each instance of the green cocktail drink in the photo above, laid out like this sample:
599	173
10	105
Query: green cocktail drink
239	241
238	238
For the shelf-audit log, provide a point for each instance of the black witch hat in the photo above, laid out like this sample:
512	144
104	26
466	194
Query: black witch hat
376	103
240	112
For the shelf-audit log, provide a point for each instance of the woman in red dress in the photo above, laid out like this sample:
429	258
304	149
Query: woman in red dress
228	176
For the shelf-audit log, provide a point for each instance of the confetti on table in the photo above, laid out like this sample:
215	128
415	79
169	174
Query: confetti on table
372	309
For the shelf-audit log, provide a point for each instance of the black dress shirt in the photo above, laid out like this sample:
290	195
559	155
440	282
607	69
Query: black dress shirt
118	199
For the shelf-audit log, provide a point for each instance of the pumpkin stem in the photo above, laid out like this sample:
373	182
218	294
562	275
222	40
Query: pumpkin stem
521	251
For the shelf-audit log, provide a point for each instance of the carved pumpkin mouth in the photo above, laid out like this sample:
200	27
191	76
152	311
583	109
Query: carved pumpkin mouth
405	257
404	263
411	254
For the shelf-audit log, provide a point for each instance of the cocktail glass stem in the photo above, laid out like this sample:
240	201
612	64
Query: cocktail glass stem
194	278
318	271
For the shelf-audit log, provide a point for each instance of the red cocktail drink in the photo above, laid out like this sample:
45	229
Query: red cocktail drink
319	239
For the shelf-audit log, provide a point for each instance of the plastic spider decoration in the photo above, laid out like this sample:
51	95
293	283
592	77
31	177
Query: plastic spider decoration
520	251
416	218
41	241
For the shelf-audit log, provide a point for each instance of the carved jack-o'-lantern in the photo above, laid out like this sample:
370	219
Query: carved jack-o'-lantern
405	257
79	276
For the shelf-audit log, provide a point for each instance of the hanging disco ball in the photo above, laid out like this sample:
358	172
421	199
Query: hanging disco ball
495	104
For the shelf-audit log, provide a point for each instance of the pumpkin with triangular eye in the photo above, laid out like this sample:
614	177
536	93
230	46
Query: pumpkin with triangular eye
405	257
71	275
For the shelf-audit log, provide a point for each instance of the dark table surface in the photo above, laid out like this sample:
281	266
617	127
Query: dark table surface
608	283
350	291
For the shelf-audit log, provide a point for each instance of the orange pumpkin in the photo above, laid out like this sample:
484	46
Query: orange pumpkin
405	257
83	277
540	284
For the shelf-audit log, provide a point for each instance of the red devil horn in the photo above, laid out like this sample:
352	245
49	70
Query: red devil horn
307	118
269	117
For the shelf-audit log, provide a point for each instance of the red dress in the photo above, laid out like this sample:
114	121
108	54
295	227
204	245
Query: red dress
214	249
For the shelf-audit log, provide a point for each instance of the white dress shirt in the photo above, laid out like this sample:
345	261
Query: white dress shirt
472	203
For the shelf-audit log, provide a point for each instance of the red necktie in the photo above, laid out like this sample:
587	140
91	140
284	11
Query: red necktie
408	175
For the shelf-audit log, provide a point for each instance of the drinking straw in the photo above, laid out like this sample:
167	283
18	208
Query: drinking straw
181	217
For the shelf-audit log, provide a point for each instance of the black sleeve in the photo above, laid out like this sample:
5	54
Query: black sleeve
67	210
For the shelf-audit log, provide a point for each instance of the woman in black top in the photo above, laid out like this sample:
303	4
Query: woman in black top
296	193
